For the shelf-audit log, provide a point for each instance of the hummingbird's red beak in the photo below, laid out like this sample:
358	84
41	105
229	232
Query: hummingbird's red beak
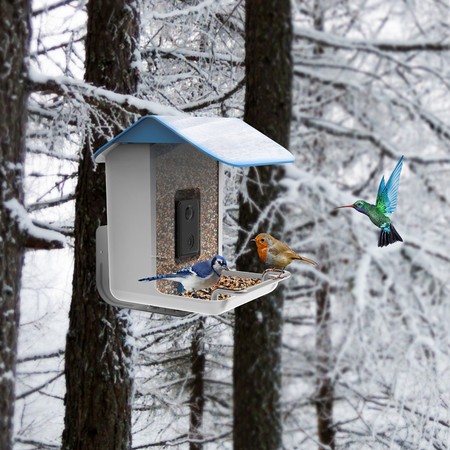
345	206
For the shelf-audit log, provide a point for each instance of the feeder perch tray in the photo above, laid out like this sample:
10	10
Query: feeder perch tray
177	305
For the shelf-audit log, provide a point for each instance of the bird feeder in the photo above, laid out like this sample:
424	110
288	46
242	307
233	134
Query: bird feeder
164	189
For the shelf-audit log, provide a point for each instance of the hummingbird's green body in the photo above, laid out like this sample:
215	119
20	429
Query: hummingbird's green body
385	205
377	216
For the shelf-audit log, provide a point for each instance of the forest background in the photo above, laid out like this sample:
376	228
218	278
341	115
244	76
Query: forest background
354	354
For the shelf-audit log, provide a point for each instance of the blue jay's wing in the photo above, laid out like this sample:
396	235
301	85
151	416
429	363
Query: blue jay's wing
180	274
199	276
183	273
387	198
202	269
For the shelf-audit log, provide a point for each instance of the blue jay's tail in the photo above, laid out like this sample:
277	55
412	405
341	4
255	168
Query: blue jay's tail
158	277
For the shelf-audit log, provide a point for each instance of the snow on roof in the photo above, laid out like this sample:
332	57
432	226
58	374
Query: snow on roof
228	140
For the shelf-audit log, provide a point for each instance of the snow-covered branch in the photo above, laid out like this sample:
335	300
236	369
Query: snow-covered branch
374	46
62	85
34	237
191	55
213	100
360	134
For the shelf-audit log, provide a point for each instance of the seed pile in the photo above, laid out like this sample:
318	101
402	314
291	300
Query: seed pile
225	282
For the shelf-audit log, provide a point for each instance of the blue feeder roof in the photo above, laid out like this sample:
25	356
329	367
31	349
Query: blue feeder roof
227	140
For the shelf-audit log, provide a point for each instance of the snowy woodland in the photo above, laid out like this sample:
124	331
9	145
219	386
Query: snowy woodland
365	337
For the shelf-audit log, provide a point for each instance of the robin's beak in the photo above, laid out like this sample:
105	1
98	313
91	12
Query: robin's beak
253	240
345	206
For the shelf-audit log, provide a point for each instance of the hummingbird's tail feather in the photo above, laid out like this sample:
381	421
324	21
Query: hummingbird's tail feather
388	236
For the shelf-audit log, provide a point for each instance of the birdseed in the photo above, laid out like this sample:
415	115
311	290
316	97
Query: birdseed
225	282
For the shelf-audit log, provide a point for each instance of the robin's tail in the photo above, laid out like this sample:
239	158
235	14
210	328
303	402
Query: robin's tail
309	261
388	236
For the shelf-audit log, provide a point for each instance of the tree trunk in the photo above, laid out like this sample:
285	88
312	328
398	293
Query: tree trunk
324	385
197	400
14	42
258	325
98	352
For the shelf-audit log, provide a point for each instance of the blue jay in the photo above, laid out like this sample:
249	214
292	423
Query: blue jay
199	276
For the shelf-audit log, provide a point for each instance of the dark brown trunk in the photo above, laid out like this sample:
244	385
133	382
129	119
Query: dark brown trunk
258	325
14	41
197	400
324	384
98	352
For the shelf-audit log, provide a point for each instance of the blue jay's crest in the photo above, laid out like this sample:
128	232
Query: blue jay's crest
219	264
199	276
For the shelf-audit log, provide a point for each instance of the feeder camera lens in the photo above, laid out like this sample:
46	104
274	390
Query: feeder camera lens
189	212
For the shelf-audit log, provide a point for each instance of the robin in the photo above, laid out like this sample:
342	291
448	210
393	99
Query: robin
276	254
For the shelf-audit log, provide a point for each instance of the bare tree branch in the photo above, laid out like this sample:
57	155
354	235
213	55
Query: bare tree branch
41	386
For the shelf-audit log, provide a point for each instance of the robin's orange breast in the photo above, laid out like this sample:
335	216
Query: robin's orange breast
262	252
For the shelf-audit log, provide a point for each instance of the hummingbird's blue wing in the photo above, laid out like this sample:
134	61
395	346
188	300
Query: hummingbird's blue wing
388	194
381	187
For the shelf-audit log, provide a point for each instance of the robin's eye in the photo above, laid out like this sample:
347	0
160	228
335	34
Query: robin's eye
262	240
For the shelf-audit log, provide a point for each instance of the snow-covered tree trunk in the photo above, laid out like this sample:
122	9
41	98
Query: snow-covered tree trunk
258	325
14	41
98	351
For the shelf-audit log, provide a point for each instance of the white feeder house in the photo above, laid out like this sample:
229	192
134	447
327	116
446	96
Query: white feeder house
164	189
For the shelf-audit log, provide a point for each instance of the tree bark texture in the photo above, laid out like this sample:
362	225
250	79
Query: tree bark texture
98	351
197	399
258	324
324	384
324	399
14	43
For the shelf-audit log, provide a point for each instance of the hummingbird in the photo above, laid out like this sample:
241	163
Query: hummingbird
385	205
